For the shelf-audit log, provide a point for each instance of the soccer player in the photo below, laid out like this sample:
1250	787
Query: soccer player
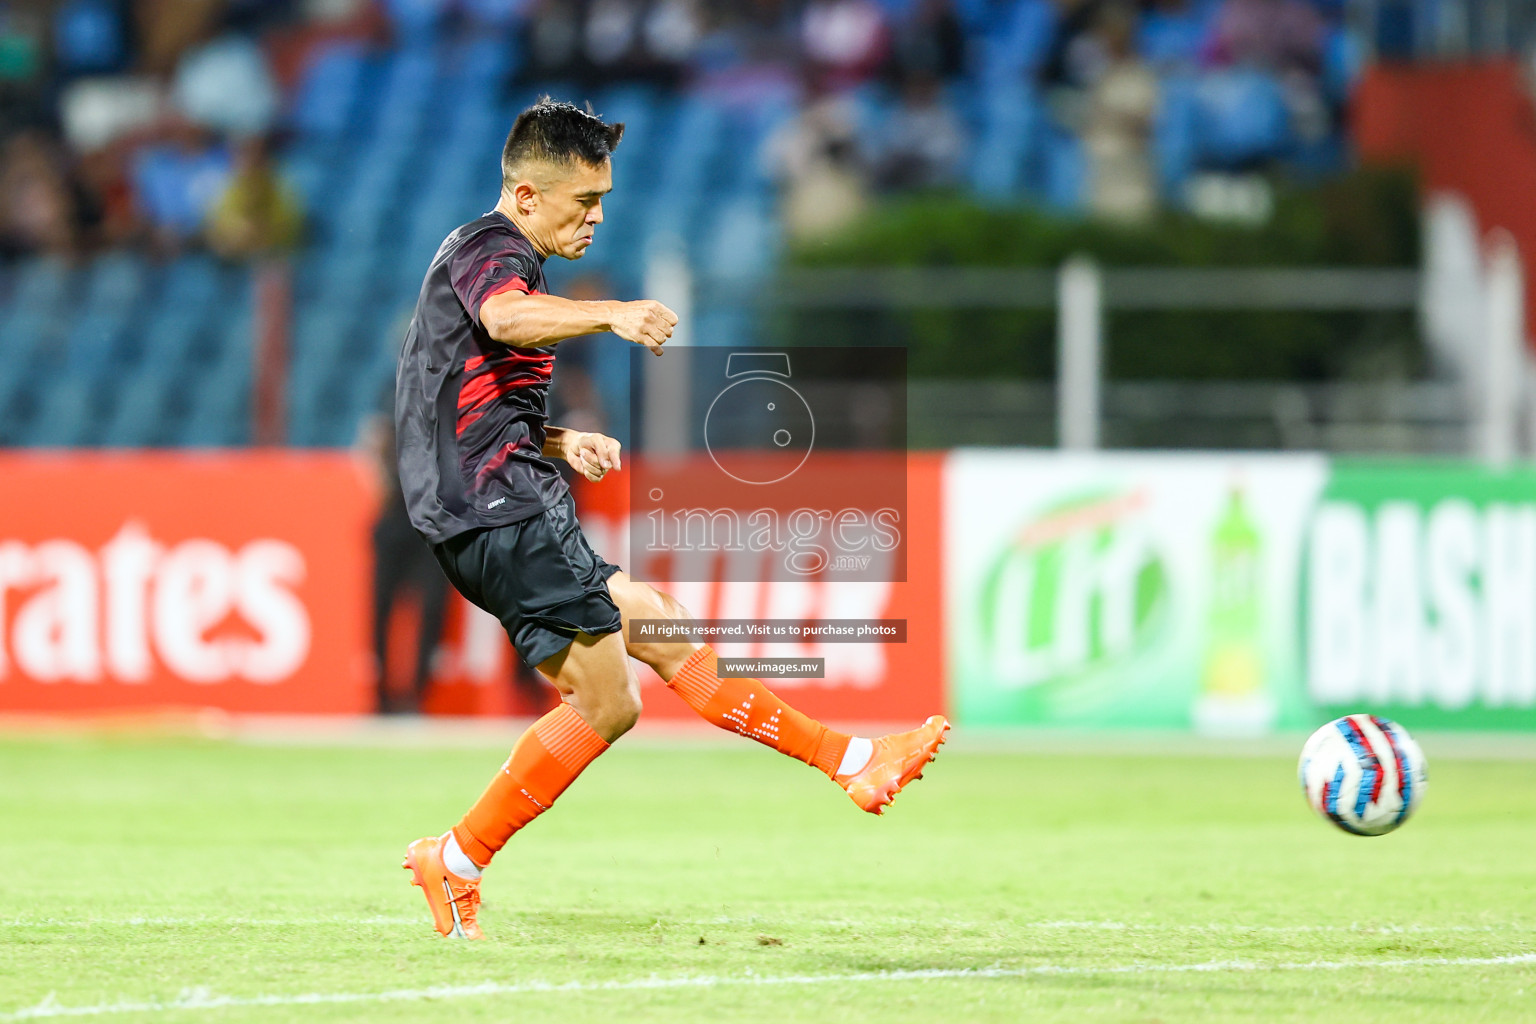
473	445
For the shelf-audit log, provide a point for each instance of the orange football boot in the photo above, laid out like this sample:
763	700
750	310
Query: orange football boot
454	901
897	760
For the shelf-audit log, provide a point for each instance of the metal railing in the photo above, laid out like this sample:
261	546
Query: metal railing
1345	418
1081	409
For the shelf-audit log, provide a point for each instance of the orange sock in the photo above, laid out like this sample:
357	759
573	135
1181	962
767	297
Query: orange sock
546	759
748	707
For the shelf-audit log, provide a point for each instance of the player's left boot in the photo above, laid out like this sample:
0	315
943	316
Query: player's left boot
896	760
454	901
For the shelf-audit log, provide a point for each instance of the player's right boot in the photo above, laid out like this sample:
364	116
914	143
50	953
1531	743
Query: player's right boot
454	901
896	760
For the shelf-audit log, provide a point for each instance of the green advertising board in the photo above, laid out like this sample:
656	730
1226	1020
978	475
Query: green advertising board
1129	591
1238	594
1420	588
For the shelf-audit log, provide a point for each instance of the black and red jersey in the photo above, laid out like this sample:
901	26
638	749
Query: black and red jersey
470	411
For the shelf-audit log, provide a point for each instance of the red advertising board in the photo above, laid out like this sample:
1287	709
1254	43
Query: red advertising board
235	580
240	580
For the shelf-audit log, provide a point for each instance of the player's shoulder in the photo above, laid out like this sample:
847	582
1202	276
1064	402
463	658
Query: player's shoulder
489	234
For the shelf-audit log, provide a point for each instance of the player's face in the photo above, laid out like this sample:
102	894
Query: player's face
572	208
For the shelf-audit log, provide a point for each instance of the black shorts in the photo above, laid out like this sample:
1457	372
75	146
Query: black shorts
538	576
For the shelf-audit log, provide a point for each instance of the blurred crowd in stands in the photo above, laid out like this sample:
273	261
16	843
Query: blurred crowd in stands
153	123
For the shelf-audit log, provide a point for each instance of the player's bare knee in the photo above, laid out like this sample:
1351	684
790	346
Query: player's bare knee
632	703
627	712
616	712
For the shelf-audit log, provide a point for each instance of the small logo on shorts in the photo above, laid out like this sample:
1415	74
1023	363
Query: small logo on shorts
493	504
558	513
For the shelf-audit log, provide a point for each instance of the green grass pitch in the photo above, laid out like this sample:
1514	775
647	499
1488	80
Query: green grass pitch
191	880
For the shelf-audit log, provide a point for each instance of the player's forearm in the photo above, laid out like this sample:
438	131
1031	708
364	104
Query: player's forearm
554	437
533	321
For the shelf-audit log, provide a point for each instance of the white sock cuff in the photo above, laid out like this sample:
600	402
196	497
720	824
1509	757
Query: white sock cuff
457	861
859	751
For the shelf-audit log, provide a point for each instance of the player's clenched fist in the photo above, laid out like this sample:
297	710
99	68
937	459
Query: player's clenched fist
644	322
590	454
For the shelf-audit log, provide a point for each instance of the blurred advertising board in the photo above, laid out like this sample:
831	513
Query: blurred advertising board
240	580
1155	591
230	579
1238	593
1420	587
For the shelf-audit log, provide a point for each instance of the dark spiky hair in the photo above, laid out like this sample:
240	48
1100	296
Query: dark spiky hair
552	131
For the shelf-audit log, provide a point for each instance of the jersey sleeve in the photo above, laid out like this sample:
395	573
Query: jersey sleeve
490	268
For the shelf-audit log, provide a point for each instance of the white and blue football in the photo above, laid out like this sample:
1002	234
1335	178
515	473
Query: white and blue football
1364	773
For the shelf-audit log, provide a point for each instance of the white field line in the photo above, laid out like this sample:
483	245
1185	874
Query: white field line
178	922
1355	928
201	999
1359	928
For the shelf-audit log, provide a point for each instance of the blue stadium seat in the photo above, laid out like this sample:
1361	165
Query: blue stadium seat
437	214
219	407
404	88
724	327
1066	172
370	204
231	335
69	415
635	106
173	336
1343	59
743	241
116	279
486	60
1016	51
28	334
494	14
306	408
977	15
42	285
1169	38
17	396
309	167
318	406
1013	119
1243	118
321	340
192	281
695	137
1175	135
369	381
344	278
328	90
744	173
98	342
145	410
416	21
476	127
